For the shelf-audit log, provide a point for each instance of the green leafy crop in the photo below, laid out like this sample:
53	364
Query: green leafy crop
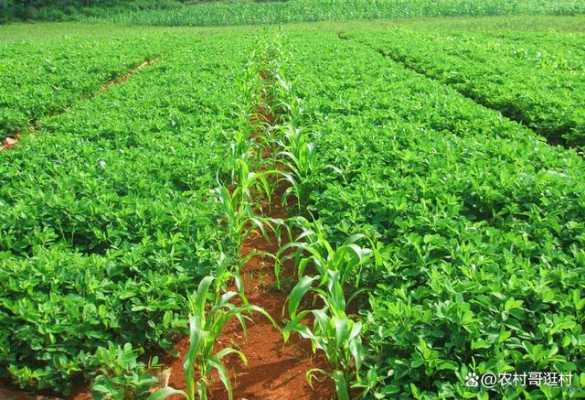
110	217
536	79
477	223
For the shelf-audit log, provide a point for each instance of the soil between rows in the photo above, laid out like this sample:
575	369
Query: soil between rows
275	370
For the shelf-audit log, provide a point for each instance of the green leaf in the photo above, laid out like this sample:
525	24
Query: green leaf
298	292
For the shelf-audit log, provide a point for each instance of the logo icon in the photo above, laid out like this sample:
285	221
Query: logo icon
472	379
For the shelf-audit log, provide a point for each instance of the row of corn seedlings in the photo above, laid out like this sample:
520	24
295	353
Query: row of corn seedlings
323	291
271	152
214	304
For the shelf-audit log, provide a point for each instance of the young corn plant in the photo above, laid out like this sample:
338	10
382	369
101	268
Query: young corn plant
279	102
324	271
294	156
300	163
333	331
240	206
312	249
210	311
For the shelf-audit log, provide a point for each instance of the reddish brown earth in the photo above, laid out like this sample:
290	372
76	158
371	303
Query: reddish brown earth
275	371
8	143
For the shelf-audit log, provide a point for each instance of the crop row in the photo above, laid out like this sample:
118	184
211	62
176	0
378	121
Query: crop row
251	13
476	226
539	84
109	215
42	77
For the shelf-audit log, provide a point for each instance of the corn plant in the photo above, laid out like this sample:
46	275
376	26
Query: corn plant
333	331
240	209
312	249
238	203
282	12
299	161
210	311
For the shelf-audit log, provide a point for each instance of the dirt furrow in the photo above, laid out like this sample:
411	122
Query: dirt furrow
274	370
13	138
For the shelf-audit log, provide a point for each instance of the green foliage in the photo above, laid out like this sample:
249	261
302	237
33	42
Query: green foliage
537	79
61	10
333	331
109	215
461	232
252	13
476	222
211	308
40	77
120	375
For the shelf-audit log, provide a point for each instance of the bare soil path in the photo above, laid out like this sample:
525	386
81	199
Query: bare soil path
275	371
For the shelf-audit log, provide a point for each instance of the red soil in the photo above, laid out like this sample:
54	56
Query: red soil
275	371
8	143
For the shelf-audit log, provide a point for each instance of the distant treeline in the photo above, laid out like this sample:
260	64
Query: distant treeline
253	12
58	10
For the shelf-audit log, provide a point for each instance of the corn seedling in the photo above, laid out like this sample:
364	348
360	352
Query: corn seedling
300	163
333	331
210	311
312	249
240	208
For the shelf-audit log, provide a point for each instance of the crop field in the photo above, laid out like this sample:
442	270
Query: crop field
40	79
534	79
334	210
278	12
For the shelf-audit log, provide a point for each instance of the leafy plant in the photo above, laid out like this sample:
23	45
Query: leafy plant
474	219
299	161
120	375
312	249
210	311
280	12
108	221
333	331
521	84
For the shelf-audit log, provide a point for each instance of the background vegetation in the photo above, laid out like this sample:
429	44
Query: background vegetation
59	10
209	13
